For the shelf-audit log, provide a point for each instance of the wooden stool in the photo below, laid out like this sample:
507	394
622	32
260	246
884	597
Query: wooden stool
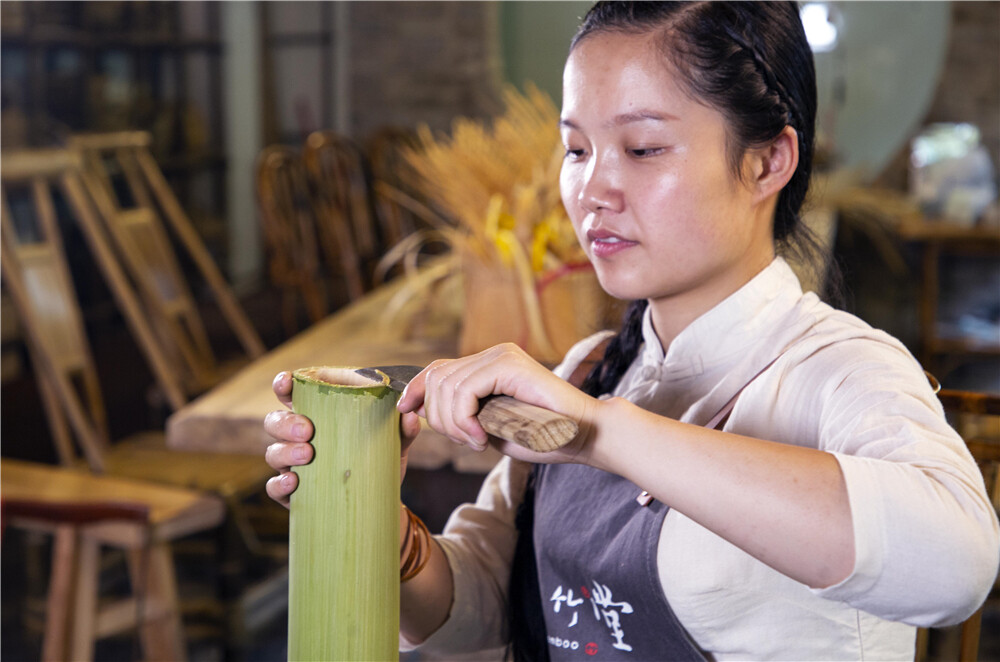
84	512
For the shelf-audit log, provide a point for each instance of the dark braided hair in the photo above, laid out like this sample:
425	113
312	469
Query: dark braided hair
751	62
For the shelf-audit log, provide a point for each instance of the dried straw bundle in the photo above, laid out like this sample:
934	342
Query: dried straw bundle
499	183
496	185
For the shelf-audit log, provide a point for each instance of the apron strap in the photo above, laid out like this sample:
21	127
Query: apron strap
717	421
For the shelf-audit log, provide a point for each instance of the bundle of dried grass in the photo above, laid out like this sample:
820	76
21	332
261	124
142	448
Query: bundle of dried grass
496	188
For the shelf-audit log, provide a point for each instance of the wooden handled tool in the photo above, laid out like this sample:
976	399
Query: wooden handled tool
502	416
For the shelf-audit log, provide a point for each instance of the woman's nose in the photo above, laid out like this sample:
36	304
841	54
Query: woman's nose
600	190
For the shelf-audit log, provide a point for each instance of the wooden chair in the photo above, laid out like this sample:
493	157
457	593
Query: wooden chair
390	173
37	277
976	416
348	232
116	163
84	513
289	224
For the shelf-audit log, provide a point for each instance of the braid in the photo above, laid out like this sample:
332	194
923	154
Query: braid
772	82
622	350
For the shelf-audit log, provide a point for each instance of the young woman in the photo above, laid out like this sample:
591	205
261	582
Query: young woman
757	475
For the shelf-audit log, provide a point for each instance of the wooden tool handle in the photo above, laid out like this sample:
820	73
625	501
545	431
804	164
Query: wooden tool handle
534	428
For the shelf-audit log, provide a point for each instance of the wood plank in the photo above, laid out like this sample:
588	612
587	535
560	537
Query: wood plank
162	634
229	418
148	459
941	230
61	598
85	601
27	164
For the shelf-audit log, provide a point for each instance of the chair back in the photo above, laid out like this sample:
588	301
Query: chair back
391	172
142	215
37	276
350	237
976	417
290	233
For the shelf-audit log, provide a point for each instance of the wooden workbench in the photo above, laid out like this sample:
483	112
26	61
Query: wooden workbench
229	418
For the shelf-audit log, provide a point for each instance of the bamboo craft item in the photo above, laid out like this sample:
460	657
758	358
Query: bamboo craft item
343	591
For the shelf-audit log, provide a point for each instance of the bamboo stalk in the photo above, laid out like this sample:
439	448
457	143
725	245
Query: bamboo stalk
343	590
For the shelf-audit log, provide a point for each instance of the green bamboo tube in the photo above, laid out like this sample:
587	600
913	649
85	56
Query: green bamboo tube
343	567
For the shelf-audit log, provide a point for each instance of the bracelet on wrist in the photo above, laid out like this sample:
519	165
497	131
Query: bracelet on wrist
418	540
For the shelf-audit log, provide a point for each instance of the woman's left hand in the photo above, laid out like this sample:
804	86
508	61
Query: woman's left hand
447	394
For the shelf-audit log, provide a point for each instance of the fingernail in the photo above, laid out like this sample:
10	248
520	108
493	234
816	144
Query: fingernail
299	430
300	453
286	480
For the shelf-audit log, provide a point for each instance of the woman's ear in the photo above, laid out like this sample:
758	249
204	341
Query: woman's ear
773	165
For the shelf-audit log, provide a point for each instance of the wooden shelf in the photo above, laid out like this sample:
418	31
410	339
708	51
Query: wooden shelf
967	347
935	239
164	76
919	229
72	38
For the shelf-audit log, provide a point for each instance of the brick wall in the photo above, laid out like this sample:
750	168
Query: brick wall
422	62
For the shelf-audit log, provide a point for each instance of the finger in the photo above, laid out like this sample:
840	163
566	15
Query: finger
477	380
409	428
437	399
282	387
281	487
413	395
464	405
283	455
288	426
453	391
464	410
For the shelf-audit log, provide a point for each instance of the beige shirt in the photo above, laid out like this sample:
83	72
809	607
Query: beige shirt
926	535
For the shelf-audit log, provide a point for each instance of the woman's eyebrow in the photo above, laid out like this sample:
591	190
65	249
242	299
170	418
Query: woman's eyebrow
641	116
626	118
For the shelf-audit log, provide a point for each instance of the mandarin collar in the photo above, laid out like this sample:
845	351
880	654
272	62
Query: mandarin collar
726	331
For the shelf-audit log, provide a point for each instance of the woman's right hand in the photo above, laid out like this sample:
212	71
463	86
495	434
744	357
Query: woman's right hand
293	433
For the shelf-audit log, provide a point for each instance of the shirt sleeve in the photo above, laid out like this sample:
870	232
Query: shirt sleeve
926	535
479	542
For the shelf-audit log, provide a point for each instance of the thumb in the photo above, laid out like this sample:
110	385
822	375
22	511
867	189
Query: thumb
409	428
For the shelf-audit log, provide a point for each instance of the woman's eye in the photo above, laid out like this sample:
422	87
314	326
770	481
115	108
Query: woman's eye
574	154
644	152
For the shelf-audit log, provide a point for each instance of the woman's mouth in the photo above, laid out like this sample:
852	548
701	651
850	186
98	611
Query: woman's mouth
604	244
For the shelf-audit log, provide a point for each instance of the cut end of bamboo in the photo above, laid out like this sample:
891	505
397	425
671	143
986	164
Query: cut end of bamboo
340	378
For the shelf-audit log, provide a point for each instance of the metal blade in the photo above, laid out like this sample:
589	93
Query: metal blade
399	375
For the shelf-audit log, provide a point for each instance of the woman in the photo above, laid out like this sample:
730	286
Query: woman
757	475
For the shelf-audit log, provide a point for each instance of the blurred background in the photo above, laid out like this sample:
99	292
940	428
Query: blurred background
239	103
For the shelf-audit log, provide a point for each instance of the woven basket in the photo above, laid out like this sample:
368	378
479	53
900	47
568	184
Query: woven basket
568	305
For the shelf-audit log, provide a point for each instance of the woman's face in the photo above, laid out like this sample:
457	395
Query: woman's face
647	183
